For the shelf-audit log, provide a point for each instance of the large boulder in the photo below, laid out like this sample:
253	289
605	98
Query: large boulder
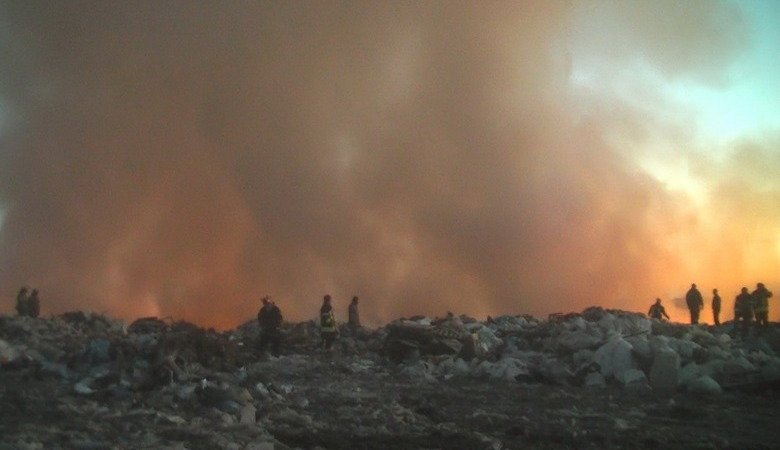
665	371
705	386
625	324
632	378
486	341
595	380
614	357
507	369
8	353
579	339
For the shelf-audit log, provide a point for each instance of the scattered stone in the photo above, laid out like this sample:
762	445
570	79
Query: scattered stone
632	378
247	416
614	357
704	385
159	384
665	372
595	380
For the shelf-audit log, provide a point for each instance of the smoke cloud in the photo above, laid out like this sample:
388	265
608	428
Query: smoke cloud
186	158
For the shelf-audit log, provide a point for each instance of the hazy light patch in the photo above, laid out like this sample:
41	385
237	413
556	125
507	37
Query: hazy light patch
401	65
676	178
346	150
724	115
750	103
777	242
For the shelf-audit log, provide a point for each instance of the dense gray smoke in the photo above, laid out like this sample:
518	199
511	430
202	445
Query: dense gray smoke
186	158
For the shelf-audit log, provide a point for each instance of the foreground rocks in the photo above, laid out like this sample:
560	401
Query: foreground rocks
595	379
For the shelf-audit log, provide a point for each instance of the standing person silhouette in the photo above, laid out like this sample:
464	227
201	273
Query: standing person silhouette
695	303
716	307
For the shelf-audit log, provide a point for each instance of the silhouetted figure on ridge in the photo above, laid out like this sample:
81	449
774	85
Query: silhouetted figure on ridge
761	304
33	304
21	302
743	311
354	316
328	330
657	311
270	319
716	307
695	303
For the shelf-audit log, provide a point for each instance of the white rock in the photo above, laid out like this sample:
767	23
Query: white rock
82	387
641	347
614	357
262	390
461	367
582	357
577	324
248	415
631	378
595	379
712	367
608	324
684	348
421	371
658	343
487	341
689	373
510	323
738	366
579	339
704	385
715	352
506	369
7	352
665	371
634	325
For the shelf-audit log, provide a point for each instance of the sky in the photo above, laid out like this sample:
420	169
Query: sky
184	159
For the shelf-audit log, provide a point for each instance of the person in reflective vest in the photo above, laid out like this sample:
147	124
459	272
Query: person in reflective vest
328	330
761	304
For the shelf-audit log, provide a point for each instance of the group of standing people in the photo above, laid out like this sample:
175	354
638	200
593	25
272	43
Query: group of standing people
329	331
270	320
28	304
752	305
747	306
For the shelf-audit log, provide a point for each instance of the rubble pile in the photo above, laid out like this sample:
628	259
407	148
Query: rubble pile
82	380
590	349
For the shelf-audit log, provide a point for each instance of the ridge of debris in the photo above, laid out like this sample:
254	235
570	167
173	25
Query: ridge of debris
590	379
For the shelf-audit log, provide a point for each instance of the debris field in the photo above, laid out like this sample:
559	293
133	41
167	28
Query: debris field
596	379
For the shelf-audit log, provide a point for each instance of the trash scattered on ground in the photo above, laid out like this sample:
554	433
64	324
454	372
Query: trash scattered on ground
88	381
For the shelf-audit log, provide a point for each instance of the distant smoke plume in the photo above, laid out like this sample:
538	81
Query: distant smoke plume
186	158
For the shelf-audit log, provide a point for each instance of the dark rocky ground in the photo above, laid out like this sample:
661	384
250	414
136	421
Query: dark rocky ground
88	382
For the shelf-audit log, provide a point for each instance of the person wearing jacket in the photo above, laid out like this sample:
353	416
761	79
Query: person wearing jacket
657	311
354	316
743	311
761	304
270	319
328	329
716	307
695	303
